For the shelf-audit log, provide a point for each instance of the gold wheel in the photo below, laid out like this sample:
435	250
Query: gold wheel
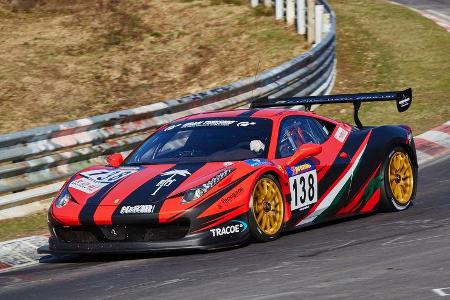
268	206
401	179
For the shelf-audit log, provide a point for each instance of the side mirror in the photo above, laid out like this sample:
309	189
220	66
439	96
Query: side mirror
305	151
114	160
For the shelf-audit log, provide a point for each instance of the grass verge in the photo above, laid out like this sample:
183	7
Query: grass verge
382	47
34	224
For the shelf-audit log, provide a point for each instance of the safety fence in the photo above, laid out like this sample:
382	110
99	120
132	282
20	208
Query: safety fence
33	163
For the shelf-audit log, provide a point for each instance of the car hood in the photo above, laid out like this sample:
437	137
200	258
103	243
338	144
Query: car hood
142	185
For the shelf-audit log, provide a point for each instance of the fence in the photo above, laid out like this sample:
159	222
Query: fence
34	162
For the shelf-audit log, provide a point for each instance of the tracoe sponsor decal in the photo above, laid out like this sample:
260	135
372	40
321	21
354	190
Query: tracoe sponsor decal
237	227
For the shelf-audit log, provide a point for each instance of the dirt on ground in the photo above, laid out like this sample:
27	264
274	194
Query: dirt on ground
68	59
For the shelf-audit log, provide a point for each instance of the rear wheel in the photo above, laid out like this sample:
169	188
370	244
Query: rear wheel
266	209
399	180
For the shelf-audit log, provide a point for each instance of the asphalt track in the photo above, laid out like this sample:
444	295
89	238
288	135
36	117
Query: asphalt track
383	256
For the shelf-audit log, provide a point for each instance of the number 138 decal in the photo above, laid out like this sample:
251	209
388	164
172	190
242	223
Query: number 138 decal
303	189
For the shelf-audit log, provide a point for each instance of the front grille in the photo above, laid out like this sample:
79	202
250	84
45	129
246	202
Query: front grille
122	233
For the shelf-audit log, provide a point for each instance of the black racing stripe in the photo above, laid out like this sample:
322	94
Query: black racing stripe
355	143
156	190
369	163
350	147
86	216
248	113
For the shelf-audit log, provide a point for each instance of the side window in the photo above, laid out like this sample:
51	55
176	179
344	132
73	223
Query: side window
296	131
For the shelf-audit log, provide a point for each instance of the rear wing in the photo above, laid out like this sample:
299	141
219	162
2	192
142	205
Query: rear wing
402	98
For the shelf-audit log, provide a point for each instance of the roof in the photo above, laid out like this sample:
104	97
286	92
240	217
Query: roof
254	113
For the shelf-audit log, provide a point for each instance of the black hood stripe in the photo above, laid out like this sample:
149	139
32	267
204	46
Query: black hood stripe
156	190
86	216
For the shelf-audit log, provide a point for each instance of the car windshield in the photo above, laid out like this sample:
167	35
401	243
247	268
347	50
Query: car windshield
206	140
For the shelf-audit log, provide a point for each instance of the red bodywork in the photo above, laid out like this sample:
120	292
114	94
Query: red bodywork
347	171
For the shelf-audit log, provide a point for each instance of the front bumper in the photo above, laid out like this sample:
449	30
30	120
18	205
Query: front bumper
141	238
198	242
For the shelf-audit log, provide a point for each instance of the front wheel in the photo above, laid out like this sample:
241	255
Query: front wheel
266	209
400	180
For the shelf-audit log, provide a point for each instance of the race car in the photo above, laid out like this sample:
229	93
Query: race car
221	179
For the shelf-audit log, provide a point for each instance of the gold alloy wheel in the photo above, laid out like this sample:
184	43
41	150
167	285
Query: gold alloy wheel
401	178
268	206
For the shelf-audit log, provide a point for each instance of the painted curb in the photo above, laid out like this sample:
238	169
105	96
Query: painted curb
433	144
20	252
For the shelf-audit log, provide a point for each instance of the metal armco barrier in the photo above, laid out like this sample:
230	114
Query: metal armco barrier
33	163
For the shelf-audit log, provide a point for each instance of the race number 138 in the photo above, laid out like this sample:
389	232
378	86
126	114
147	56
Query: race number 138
303	189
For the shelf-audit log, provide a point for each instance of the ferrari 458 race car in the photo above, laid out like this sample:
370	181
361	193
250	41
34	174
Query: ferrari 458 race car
223	178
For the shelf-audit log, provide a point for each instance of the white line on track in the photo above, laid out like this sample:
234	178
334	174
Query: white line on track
438	14
442	291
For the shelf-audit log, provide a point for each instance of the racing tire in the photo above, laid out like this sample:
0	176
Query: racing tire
399	183
266	212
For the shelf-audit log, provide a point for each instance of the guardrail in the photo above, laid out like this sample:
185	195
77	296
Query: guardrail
32	162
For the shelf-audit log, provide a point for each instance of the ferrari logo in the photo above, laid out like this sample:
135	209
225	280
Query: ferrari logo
168	181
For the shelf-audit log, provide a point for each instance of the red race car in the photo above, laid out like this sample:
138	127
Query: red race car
220	179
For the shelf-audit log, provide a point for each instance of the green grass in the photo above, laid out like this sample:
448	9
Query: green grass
26	226
382	47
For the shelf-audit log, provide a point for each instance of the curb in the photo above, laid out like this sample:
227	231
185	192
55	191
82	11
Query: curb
20	252
433	144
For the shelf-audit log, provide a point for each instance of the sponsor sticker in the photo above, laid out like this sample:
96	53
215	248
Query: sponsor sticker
404	102
108	176
341	134
237	227
292	171
208	123
169	180
245	124
137	209
86	185
226	200
257	162
94	180
172	127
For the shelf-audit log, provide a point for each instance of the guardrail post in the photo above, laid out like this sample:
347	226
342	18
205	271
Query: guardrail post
279	9
254	3
290	12
319	22
326	22
301	17
268	3
311	27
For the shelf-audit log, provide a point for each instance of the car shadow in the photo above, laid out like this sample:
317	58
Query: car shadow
105	257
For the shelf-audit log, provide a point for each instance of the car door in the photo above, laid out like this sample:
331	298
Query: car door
312	195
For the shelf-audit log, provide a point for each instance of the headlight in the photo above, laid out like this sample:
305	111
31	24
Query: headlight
197	192
62	200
